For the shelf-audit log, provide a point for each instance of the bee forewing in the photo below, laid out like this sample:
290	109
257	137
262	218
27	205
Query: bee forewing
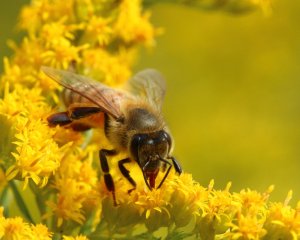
149	84
104	97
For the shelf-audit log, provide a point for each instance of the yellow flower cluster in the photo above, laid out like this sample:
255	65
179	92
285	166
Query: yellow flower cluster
76	184
79	34
61	167
16	228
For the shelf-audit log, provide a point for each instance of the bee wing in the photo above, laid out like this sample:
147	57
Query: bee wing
149	84
106	98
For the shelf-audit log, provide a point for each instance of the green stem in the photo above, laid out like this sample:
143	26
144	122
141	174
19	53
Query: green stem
40	199
21	203
4	200
57	236
86	228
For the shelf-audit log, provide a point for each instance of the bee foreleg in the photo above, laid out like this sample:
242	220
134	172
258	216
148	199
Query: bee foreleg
176	165
109	182
126	173
167	173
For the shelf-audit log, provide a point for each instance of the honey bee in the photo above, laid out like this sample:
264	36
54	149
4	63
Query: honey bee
131	120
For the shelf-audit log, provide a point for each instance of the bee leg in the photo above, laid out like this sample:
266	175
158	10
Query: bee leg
126	173
60	118
109	182
82	112
176	165
167	173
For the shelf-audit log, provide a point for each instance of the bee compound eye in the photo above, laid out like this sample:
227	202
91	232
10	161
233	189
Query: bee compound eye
136	142
166	137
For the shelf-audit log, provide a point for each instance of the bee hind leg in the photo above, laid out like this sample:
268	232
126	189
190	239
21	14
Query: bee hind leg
60	118
126	173
82	112
109	182
63	119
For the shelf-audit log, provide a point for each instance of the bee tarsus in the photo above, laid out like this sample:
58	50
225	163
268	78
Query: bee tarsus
126	173
109	182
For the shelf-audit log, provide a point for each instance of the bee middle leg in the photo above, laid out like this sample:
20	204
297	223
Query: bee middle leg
126	173
109	182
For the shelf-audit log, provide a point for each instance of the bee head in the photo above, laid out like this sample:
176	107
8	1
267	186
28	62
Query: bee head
149	150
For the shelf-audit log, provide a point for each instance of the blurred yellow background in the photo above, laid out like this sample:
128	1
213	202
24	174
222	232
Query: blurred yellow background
233	100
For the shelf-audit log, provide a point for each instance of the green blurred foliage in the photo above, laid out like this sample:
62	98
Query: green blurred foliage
233	101
9	11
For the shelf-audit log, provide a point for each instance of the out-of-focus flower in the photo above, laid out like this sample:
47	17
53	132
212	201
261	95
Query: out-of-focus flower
16	228
133	26
61	167
98	30
80	237
41	232
110	68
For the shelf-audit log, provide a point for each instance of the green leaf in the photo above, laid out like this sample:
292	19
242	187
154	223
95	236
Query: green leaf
86	228
4	200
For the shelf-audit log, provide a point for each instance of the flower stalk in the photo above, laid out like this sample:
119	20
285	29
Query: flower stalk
20	202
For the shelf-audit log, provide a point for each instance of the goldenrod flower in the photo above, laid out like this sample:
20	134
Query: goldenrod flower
247	227
62	53
76	183
132	26
54	32
100	39
110	68
15	228
34	159
98	30
12	72
41	232
13	105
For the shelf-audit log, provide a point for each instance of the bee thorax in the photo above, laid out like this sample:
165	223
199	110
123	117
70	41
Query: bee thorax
140	120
